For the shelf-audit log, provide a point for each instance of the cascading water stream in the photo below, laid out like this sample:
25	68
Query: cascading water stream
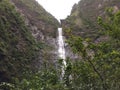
61	50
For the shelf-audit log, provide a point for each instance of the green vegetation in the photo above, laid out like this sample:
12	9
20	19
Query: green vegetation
97	70
18	48
99	67
87	12
112	23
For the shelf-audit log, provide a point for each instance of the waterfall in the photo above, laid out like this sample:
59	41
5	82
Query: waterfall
61	50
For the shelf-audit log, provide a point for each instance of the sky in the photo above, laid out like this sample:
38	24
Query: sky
60	9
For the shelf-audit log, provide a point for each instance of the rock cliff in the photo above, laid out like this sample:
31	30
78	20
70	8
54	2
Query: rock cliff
83	18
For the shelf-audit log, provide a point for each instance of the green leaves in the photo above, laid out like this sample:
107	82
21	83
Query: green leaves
77	45
100	62
111	24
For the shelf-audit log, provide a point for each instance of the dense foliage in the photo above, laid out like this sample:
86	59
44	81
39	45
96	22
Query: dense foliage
99	67
97	70
17	46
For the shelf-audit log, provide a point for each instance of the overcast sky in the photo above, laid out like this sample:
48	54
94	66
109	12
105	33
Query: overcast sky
58	8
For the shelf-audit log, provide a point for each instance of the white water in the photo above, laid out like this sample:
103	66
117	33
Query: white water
61	50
